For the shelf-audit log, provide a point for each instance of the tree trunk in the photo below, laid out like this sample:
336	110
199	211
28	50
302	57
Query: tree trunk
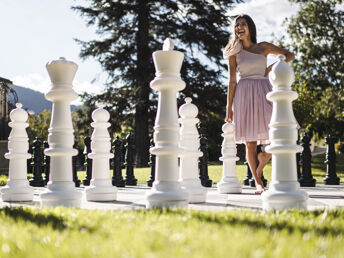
142	105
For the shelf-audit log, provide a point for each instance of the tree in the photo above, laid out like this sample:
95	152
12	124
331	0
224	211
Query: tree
316	35
39	125
130	31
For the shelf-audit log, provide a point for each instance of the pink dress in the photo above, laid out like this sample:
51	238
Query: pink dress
252	111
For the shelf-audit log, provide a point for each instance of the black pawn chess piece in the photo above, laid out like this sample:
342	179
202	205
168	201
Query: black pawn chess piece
88	161
246	180
116	164
75	167
129	161
306	178
37	163
331	173
203	161
152	159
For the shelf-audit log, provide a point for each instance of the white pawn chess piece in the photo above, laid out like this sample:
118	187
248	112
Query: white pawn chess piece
61	190
189	142
100	188
284	189
229	182
17	188
166	190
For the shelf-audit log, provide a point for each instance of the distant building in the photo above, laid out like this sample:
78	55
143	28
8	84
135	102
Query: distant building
6	106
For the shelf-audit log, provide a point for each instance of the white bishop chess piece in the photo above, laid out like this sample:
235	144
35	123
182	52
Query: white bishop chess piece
229	182
189	142
17	188
101	188
284	189
61	189
166	190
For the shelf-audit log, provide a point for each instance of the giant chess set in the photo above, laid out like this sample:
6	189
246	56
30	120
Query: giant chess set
175	184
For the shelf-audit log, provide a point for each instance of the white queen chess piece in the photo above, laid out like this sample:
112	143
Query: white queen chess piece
189	142
17	187
284	189
100	188
61	189
166	190
229	182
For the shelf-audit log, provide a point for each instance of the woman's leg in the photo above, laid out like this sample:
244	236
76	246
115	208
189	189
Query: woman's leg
263	159
251	156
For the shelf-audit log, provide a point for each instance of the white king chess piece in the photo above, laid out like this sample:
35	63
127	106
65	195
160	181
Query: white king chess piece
189	142
101	188
229	182
17	188
166	190
284	189
61	189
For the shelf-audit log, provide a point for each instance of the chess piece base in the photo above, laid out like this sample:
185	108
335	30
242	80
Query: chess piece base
229	185
307	182
331	180
197	193
101	190
61	193
166	194
17	190
284	195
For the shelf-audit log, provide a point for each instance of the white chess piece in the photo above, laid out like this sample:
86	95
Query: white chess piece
229	182
189	142
61	189
166	190
17	188
100	188
284	189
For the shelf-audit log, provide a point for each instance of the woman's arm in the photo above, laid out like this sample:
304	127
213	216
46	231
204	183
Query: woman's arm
231	88
272	49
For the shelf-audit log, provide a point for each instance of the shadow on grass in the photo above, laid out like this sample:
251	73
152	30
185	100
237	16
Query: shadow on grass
39	219
257	223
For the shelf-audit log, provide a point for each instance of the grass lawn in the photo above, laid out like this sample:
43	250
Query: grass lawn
67	232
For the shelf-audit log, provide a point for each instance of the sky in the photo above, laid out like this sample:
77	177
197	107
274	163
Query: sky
34	32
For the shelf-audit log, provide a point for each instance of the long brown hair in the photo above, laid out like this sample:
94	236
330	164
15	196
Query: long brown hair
251	28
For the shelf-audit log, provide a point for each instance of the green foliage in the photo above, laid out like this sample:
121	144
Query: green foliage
128	34
65	232
316	35
39	125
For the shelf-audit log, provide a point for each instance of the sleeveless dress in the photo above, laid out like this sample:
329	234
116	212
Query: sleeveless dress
252	111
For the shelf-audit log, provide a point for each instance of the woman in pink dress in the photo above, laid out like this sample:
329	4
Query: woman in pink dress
247	105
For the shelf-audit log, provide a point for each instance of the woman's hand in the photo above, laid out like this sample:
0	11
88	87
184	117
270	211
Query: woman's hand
229	115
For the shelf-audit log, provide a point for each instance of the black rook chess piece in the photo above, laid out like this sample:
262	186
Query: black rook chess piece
306	178
88	161
37	163
331	175
129	161
152	159
116	164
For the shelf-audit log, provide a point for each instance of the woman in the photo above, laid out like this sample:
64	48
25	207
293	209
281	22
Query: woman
247	105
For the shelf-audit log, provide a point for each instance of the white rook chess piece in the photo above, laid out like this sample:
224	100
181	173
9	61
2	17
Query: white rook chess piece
229	182
61	189
284	190
17	188
166	190
189	142
101	188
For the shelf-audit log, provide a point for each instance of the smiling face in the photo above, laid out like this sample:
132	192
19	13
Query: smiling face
241	29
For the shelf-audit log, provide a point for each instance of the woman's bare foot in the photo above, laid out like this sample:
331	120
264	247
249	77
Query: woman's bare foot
259	186
263	159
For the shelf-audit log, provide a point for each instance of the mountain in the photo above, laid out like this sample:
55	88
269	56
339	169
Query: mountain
32	100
